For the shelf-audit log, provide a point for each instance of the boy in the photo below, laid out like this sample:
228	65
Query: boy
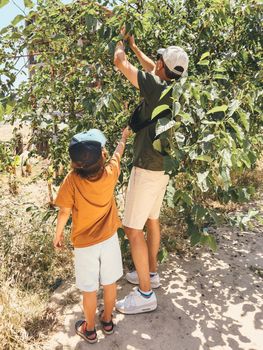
88	192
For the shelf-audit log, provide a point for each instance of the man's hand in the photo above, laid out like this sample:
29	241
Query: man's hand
58	241
123	33
131	42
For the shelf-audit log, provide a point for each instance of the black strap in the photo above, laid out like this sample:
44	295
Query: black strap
161	115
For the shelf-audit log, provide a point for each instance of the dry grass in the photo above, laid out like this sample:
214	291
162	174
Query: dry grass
30	269
23	316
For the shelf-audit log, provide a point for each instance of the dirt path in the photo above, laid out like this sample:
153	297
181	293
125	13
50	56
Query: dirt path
206	301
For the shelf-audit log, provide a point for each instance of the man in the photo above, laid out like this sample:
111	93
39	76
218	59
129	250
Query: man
147	182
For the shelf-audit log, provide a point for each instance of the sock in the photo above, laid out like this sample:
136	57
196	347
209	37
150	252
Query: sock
152	274
146	294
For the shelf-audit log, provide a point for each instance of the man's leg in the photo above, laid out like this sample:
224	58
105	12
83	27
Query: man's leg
142	299
139	251
153	242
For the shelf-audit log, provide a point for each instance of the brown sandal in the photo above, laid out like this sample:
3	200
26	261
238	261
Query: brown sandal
107	327
81	330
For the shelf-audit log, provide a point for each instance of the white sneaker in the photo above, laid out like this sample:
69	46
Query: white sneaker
135	303
132	277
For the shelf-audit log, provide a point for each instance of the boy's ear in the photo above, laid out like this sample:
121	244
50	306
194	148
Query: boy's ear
104	153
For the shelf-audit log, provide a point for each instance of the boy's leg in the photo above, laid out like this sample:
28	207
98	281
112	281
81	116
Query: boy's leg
110	294
139	250
89	306
153	242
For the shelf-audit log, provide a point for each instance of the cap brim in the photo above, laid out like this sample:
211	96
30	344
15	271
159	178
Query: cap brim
160	51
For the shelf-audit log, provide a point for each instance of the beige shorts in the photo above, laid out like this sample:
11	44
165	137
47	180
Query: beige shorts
98	263
144	197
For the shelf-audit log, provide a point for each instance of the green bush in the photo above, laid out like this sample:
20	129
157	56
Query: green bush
217	109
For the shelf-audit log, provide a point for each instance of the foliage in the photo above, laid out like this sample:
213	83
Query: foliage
73	86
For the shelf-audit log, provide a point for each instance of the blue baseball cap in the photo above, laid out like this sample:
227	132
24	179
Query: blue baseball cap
86	146
90	135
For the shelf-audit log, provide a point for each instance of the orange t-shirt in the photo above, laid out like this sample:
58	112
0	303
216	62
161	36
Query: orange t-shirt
94	212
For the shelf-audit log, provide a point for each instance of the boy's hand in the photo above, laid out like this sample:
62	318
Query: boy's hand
58	241
127	132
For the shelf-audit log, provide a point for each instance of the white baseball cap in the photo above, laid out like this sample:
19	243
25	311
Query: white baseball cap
174	57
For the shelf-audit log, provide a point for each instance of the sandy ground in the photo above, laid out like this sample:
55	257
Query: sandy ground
206	301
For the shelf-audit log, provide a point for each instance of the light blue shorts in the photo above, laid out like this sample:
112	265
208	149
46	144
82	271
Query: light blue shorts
98	264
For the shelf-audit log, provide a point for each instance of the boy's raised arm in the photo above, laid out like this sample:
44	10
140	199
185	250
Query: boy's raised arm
121	145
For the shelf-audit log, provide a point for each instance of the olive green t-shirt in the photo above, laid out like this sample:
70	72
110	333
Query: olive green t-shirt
151	88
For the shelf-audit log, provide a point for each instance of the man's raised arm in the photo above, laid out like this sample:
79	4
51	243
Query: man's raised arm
147	64
122	63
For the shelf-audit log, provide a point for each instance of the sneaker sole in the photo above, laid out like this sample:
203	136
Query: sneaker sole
153	285
138	311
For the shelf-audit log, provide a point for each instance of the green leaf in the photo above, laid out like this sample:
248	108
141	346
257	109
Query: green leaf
170	164
245	159
90	21
159	109
226	157
170	191
185	197
195	238
207	138
222	108
176	108
212	242
224	173
8	109
203	63
17	19
121	232
217	217
157	145
1	112
220	77
181	195
186	118
4	30
202	182
204	55
180	138
200	212
163	255
204	158
28	3
163	125
165	92
244	118
237	128
111	47
233	106
3	3
16	160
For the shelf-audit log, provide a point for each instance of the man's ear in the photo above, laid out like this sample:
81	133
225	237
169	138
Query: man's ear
159	65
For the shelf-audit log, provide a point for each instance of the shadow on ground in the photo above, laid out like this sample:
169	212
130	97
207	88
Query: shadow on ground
207	301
